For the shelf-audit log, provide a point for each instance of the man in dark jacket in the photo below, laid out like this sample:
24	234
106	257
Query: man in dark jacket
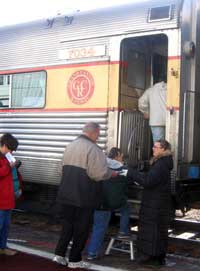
155	209
84	166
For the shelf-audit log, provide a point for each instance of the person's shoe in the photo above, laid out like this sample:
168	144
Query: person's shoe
162	261
60	260
80	264
8	252
91	257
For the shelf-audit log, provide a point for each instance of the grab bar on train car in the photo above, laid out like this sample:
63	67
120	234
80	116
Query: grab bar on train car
137	145
184	118
120	128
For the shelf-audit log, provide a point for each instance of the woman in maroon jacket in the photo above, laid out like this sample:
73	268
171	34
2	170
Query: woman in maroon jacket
8	143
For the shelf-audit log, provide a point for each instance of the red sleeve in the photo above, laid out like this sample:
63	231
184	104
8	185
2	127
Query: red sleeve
4	168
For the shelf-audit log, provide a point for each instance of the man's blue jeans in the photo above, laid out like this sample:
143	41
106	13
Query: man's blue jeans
100	225
124	219
5	216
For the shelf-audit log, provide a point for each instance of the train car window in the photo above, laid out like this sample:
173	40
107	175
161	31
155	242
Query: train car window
4	102
28	90
159	67
4	92
136	69
8	80
1	80
160	13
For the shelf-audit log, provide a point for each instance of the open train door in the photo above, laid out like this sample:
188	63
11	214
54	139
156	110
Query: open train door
144	61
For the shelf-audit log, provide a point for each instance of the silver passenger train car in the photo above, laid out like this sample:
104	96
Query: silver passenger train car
59	73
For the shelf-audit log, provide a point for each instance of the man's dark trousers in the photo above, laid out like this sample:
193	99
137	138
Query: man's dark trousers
76	223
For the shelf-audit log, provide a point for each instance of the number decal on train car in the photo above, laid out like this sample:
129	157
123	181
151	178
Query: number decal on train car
82	52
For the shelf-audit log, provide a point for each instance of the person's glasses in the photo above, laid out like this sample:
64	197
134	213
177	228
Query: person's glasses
157	147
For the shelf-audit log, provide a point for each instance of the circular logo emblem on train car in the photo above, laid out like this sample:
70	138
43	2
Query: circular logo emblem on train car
80	87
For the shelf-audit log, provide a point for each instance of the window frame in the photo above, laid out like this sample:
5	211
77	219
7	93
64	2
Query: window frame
135	84
149	20
1	79
10	90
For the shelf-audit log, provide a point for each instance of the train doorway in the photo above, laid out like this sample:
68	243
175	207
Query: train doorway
143	63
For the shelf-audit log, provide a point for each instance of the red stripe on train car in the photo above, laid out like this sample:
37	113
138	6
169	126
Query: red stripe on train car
174	108
73	65
49	110
174	57
62	66
94	109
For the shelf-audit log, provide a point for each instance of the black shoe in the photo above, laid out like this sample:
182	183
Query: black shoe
162	261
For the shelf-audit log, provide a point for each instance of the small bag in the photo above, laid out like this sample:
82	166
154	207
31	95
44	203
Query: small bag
16	183
114	193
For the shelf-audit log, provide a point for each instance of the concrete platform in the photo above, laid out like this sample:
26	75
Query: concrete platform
39	239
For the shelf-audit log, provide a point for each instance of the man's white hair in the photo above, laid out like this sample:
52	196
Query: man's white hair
91	127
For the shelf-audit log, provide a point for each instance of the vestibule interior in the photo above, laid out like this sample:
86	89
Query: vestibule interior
143	62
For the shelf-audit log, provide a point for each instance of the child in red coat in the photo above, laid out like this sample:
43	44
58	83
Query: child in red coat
8	143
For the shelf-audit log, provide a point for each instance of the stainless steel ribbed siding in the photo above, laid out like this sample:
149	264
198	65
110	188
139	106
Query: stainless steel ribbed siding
35	44
43	138
38	51
135	137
